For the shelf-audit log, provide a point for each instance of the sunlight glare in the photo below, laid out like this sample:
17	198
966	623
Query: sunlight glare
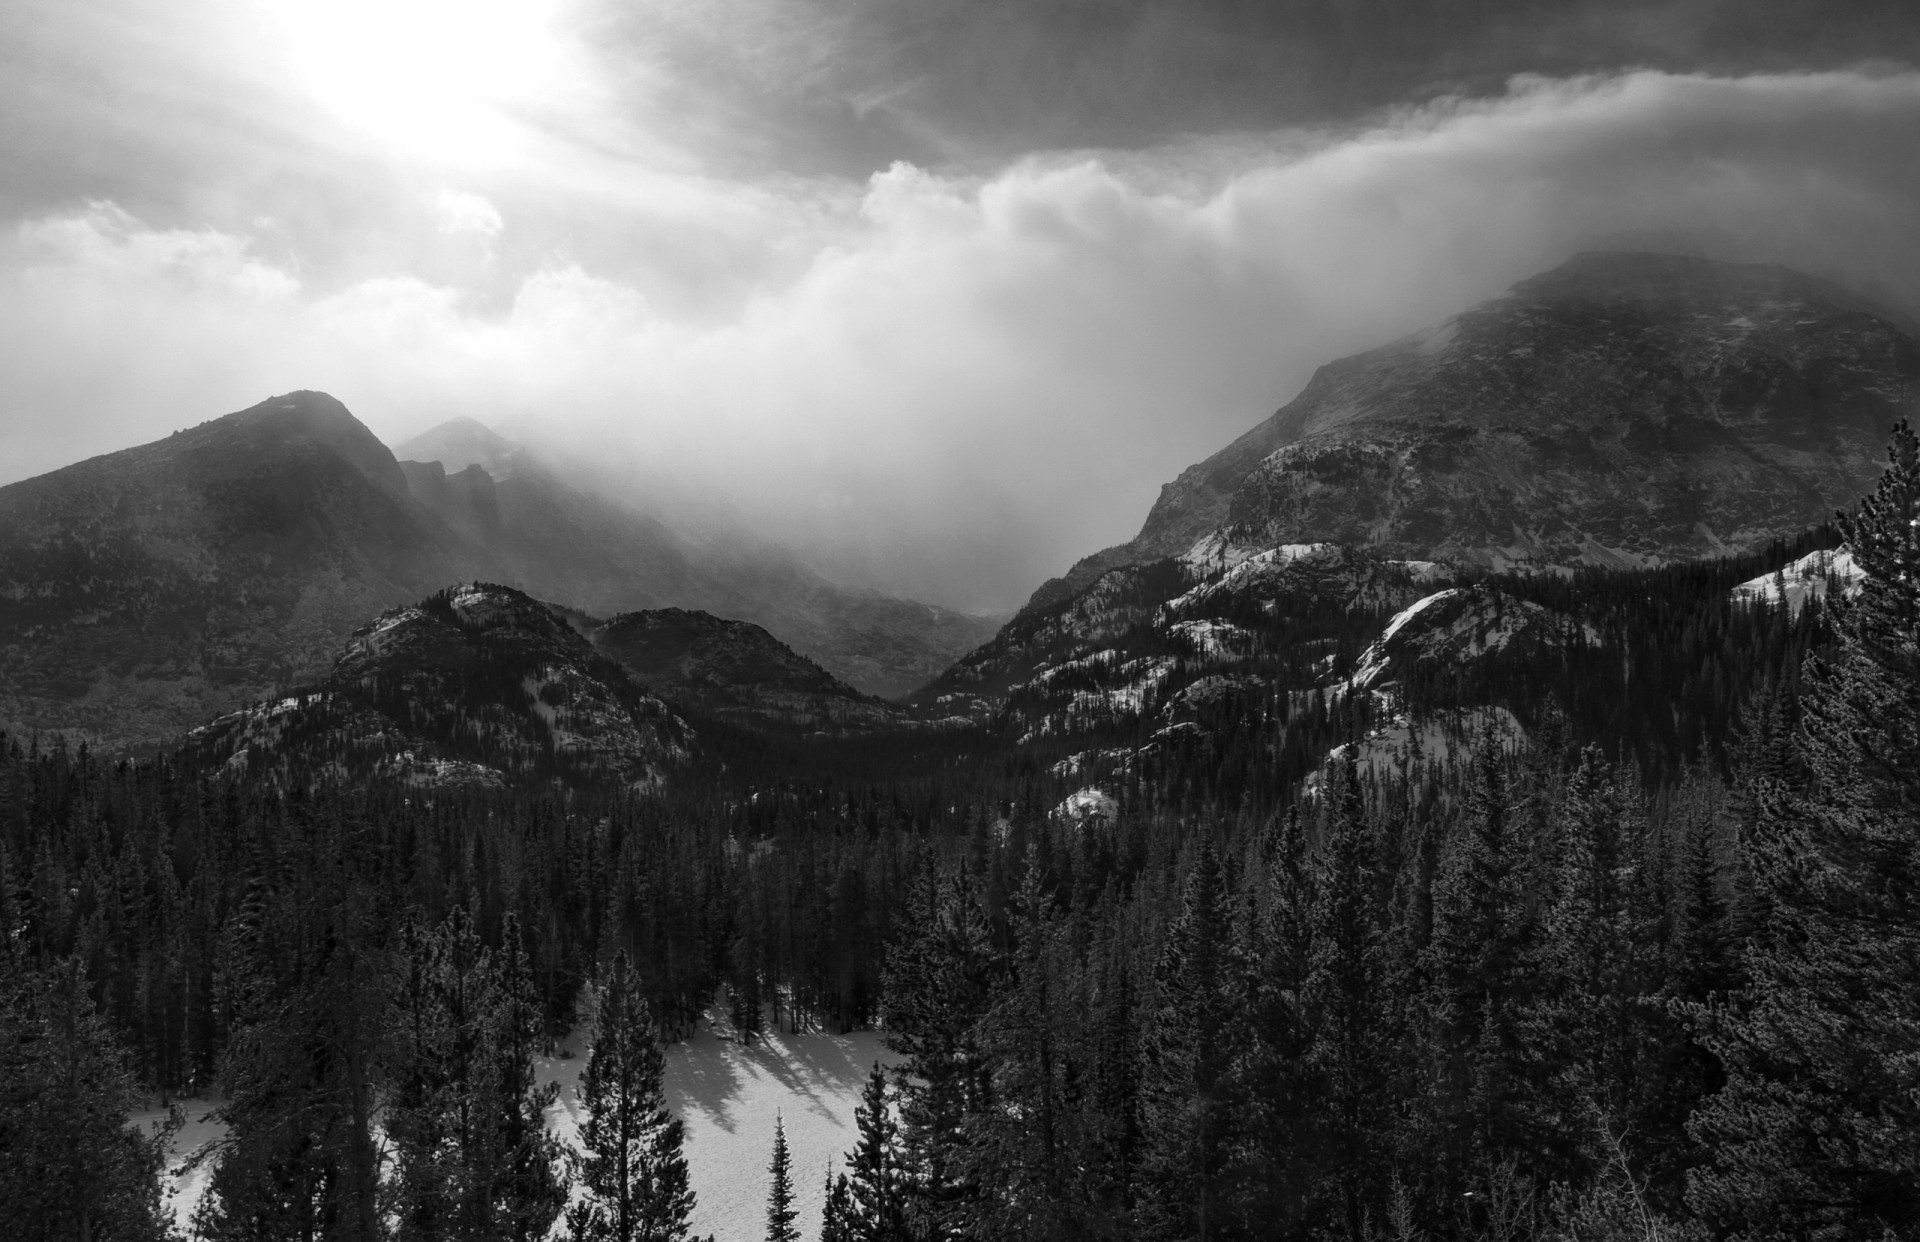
435	78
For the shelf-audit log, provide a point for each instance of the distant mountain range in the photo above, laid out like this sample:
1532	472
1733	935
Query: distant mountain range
145	591
1618	413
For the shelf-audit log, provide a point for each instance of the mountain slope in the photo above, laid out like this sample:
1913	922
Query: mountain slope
1621	409
144	590
735	670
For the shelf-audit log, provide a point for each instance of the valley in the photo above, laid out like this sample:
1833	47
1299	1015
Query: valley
1380	832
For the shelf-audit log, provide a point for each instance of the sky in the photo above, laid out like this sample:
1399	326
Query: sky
937	292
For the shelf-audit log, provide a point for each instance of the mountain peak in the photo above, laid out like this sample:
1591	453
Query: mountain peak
282	423
457	444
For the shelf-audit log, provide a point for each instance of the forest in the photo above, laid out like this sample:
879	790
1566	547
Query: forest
1654	973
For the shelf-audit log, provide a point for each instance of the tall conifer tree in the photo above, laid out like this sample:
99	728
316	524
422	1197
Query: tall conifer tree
1817	1132
780	1213
633	1170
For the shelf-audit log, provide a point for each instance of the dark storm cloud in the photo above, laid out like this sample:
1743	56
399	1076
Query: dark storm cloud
855	84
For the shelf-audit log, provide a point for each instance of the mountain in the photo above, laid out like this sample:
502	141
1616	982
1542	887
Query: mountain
146	590
736	671
1377	545
476	685
1621	409
564	541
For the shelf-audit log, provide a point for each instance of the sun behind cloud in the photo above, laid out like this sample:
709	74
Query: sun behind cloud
454	81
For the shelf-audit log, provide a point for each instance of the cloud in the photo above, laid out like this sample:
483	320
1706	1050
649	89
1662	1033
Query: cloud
461	214
953	385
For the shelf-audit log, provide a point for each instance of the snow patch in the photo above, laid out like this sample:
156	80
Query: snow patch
1086	807
1809	577
1213	639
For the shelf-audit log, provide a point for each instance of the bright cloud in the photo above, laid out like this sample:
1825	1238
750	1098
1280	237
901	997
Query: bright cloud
954	385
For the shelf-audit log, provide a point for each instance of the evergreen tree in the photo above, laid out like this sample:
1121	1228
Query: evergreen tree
72	1168
471	1152
1190	1091
1471	1116
876	1195
836	1219
780	1213
939	983
301	1074
1817	1131
633	1170
1021	1148
1286	1129
1341	993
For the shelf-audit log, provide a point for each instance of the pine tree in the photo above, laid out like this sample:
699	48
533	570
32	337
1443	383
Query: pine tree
1286	1129
1469	1120
780	1213
1190	1093
876	1195
1341	994
301	1074
633	1170
938	985
836	1219
1021	1148
522	1183
72	1168
1817	1131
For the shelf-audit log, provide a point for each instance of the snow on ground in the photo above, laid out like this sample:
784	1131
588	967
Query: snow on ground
184	1186
1213	639
1806	578
726	1094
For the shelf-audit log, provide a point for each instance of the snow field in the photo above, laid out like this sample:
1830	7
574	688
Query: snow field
727	1096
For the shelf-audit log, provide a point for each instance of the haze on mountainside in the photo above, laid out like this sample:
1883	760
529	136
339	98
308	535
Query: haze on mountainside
940	293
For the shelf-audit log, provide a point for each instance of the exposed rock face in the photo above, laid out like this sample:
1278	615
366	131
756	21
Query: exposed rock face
1620	409
737	671
475	685
1464	626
